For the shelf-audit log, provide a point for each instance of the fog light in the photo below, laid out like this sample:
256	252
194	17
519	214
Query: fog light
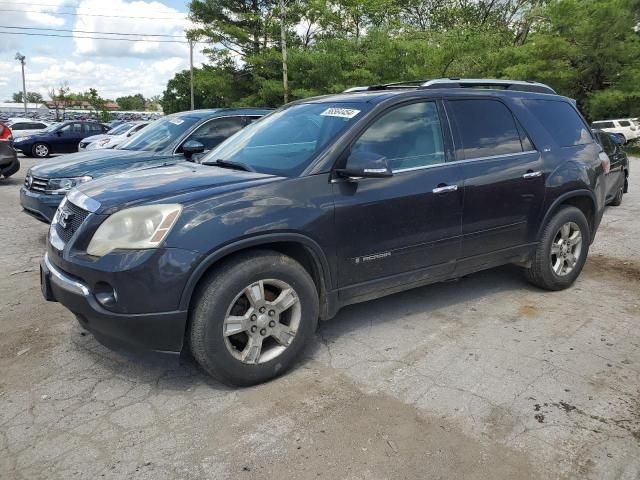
106	295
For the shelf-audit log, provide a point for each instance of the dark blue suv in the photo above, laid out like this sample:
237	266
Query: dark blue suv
58	138
323	203
173	138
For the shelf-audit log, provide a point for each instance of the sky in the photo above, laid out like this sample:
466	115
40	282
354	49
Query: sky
114	68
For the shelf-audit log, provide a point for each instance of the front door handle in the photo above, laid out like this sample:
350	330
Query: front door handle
532	175
445	189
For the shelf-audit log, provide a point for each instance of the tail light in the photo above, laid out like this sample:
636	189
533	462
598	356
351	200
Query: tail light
5	132
605	162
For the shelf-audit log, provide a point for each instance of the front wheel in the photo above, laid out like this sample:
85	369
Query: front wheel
617	200
562	251
40	150
252	317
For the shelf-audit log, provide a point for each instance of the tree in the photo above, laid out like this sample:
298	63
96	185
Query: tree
132	102
32	97
98	104
60	98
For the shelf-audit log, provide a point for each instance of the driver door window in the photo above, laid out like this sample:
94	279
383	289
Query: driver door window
212	133
409	137
72	129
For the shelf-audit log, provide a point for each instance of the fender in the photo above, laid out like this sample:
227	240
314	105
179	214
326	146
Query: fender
316	252
562	198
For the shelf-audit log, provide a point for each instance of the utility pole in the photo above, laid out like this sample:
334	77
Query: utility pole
21	58
283	41
191	43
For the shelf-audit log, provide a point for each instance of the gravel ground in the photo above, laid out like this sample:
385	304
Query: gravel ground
482	378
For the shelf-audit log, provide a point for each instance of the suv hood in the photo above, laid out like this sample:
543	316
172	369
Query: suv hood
95	163
166	182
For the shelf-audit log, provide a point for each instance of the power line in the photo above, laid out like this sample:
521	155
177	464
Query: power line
97	33
89	14
92	38
75	5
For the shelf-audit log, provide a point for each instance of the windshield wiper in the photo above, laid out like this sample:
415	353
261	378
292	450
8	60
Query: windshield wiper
229	164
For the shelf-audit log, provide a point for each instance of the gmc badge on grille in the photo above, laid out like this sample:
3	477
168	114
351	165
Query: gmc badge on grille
65	218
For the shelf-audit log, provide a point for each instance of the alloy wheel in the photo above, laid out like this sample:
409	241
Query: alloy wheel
41	150
566	249
262	321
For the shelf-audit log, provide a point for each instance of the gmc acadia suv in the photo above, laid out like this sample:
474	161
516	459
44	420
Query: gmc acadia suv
326	202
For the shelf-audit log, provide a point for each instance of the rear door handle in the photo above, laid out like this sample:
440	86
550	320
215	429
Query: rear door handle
445	189
532	175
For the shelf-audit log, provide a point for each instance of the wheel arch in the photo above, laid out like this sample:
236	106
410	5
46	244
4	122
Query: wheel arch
584	200
299	247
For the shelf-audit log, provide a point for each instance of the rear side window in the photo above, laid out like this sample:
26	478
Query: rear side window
485	127
603	125
561	121
624	123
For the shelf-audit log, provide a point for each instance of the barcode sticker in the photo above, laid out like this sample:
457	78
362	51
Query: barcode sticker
340	112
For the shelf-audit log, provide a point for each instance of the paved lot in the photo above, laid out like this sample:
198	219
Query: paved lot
482	378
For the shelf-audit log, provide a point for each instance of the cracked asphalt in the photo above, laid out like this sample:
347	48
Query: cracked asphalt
485	377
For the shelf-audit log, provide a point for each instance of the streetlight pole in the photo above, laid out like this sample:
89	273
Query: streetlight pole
21	58
191	42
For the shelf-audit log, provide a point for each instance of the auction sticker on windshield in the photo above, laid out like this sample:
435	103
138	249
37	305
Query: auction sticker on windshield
177	121
340	112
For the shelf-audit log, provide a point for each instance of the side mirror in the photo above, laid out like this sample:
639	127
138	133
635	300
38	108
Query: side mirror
616	138
191	147
59	133
365	165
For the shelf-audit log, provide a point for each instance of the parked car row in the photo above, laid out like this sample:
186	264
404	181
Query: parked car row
113	137
172	138
236	253
58	138
627	129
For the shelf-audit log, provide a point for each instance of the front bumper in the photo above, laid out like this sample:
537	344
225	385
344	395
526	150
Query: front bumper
161	332
40	205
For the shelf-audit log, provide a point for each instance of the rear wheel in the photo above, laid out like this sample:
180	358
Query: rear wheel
562	251
40	150
252	317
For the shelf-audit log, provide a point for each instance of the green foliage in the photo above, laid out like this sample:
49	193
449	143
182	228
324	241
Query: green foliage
132	102
32	97
98	104
585	49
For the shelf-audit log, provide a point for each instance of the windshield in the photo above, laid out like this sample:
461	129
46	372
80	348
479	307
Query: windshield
120	129
160	134
285	142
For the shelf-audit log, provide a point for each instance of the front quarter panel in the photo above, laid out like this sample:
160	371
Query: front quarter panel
299	207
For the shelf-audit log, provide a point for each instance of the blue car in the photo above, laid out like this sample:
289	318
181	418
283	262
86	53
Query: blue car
59	138
172	138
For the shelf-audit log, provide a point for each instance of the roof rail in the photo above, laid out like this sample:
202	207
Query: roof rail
454	82
387	86
517	85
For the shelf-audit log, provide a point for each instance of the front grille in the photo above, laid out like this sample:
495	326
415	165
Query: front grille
70	219
36	184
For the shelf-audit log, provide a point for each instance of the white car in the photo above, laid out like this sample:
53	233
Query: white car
25	126
113	137
625	127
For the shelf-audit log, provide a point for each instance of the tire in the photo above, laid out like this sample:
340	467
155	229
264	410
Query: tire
226	290
40	150
617	200
548	254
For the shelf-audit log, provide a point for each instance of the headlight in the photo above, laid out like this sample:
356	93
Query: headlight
134	228
60	186
21	139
